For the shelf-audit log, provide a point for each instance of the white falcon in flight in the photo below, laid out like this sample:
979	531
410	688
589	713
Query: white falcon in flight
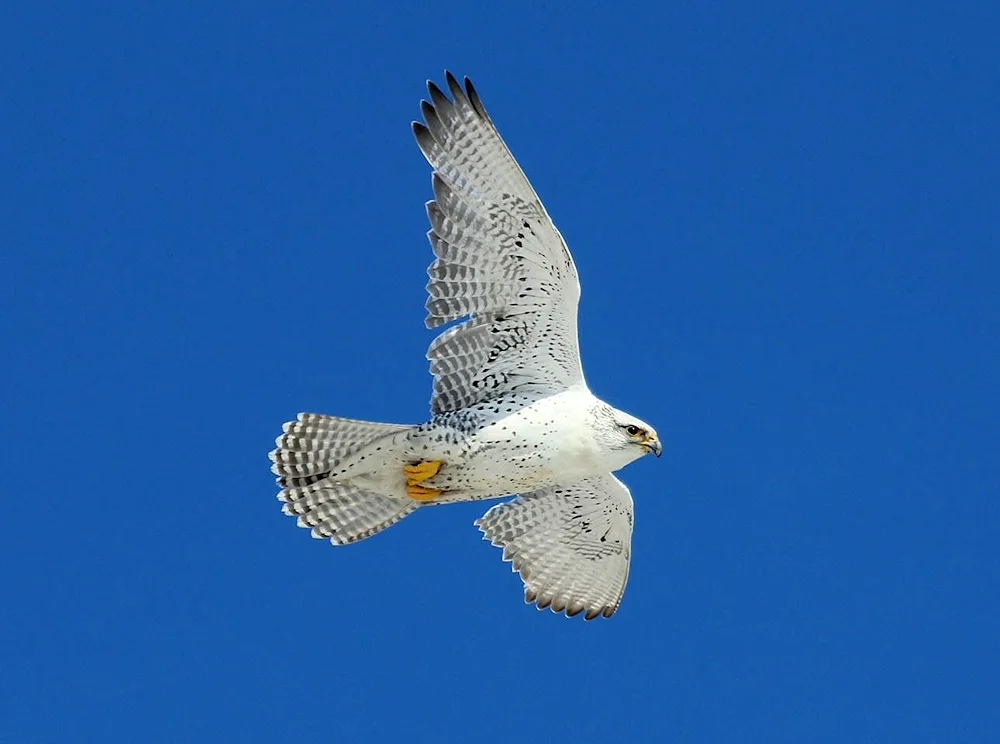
511	412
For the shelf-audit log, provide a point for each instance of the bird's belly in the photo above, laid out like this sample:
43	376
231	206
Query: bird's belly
498	468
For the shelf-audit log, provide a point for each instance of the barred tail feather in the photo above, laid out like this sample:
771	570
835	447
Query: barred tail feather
342	512
308	449
314	444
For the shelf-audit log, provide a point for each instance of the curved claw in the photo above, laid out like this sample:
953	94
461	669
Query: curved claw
419	472
420	493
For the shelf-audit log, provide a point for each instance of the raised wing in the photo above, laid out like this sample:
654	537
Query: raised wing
500	261
571	544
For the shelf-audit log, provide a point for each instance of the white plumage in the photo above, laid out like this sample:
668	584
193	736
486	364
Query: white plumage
511	411
570	544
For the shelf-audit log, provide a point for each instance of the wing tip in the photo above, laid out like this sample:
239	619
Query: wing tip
462	93
477	103
438	98
425	140
570	608
428	111
453	86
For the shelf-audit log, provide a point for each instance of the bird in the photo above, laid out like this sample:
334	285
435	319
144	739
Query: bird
511	413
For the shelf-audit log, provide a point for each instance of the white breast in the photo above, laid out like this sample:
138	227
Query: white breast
553	438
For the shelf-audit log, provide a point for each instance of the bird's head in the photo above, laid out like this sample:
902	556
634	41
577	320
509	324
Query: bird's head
629	436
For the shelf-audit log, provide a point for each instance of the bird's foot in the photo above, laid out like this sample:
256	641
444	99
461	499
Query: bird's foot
420	493
417	474
421	471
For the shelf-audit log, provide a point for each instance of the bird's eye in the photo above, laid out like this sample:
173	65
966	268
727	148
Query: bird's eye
633	430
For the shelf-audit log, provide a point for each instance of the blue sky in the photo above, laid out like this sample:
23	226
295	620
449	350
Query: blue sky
785	222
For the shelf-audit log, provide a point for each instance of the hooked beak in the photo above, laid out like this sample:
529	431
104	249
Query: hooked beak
652	444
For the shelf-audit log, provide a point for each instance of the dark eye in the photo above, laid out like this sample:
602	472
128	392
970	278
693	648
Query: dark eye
633	430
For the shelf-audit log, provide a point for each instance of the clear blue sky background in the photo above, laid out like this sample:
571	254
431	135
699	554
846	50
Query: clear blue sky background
786	224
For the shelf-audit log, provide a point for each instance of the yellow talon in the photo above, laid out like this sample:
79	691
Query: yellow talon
416	474
420	493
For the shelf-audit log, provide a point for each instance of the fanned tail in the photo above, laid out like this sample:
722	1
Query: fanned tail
307	451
